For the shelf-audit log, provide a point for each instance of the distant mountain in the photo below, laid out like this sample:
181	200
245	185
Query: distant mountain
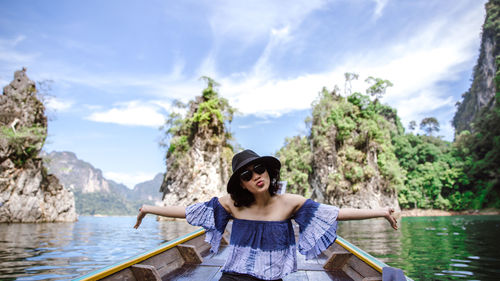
94	194
149	190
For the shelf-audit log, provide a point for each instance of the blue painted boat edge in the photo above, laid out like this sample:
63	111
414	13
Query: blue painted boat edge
166	244
366	255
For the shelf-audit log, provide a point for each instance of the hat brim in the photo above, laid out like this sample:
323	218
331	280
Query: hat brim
269	161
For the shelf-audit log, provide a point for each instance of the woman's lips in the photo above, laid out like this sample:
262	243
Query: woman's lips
260	183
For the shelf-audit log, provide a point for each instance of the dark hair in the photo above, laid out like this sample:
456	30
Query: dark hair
244	198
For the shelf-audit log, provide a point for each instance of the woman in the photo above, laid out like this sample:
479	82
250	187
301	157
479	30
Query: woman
262	244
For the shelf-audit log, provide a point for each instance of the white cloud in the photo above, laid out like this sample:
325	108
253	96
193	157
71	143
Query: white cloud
11	58
436	53
129	179
134	113
249	20
254	124
379	7
58	104
416	64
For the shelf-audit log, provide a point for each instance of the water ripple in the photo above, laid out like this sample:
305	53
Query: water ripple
433	248
64	251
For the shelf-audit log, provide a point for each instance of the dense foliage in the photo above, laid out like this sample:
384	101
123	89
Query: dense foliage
427	171
207	116
480	153
478	145
358	132
361	125
433	173
296	157
100	203
25	141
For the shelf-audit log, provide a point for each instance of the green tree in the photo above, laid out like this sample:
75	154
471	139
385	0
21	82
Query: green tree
433	173
296	157
429	125
209	114
349	76
412	125
378	87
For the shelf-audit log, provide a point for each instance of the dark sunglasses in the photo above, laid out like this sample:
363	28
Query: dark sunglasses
247	174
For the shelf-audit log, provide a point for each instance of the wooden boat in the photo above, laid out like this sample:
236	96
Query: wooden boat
189	258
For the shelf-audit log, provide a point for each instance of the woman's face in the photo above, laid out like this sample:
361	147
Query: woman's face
255	178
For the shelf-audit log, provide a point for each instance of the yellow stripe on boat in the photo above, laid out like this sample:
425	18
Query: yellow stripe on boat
362	255
96	275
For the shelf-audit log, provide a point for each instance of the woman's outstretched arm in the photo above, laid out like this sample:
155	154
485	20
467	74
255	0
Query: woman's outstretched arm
361	214
169	211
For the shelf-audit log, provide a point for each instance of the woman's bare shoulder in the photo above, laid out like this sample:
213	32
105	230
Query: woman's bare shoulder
227	202
294	200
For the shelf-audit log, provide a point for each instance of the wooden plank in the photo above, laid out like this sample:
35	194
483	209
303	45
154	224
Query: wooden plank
190	254
213	262
145	272
218	259
353	274
327	275
300	275
199	243
217	275
194	272
337	260
223	253
363	268
122	275
166	262
372	279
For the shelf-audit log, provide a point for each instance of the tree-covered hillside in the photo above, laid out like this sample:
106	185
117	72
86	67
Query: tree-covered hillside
370	143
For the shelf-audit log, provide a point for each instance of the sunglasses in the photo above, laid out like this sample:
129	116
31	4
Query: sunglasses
247	174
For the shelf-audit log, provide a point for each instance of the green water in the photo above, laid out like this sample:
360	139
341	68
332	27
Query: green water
426	248
433	248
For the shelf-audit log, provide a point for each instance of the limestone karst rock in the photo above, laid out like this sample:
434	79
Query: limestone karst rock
199	156
94	193
345	167
27	192
347	160
481	94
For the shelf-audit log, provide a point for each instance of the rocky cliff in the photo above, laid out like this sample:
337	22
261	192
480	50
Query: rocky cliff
95	194
27	192
75	174
199	155
149	190
348	159
481	94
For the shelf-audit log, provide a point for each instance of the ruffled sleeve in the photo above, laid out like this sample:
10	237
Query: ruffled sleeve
211	216
317	227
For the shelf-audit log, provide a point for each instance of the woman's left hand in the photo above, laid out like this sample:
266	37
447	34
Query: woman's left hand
389	216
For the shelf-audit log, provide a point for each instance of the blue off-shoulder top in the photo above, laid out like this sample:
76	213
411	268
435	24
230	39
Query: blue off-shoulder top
267	249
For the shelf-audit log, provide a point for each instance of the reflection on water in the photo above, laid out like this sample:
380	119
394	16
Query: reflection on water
62	251
433	248
426	248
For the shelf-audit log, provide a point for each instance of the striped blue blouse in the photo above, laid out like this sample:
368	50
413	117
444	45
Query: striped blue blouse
267	249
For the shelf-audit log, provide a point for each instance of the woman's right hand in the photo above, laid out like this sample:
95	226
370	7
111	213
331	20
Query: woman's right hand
140	216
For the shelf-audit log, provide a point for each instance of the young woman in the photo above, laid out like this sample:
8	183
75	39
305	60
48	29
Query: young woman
262	244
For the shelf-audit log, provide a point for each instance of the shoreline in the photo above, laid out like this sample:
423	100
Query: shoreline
443	213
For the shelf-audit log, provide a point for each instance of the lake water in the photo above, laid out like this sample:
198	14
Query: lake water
426	248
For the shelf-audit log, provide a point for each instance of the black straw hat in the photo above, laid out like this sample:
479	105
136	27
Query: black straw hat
244	158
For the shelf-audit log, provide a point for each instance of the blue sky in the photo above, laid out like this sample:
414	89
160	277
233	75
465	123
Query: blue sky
116	66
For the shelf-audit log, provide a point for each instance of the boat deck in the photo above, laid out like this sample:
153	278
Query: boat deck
210	269
189	258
